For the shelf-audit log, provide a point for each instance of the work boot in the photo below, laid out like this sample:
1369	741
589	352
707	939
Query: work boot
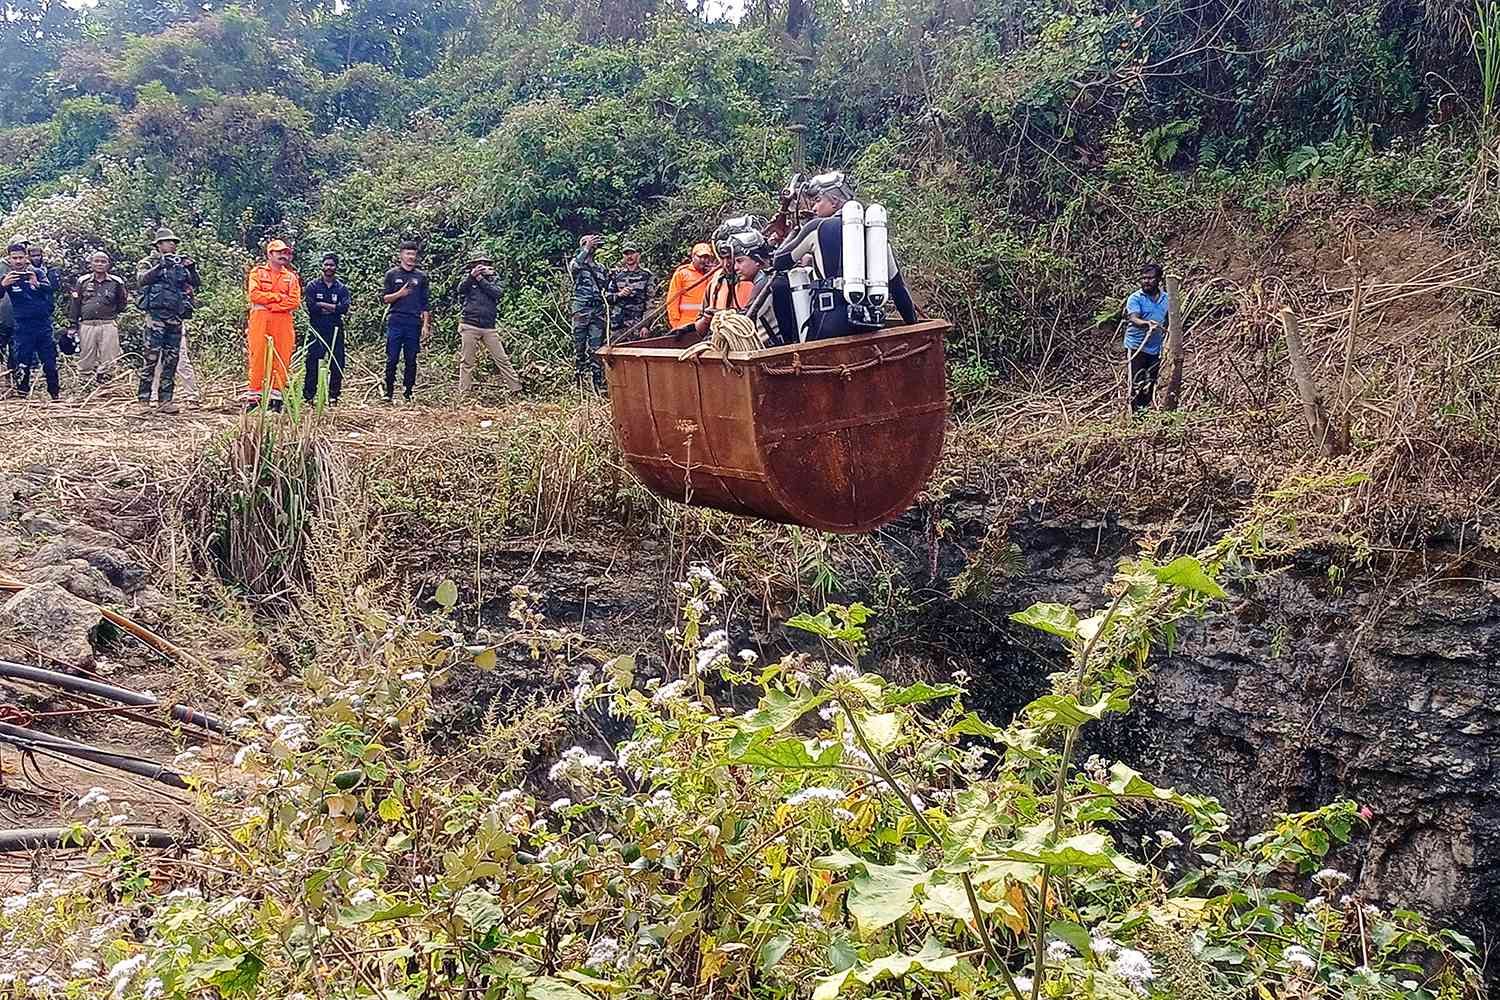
169	409
143	407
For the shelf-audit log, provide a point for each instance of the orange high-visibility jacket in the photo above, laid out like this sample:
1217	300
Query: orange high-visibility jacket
718	293
685	295
274	298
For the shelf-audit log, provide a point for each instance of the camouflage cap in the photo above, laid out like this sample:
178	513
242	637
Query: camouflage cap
163	235
478	255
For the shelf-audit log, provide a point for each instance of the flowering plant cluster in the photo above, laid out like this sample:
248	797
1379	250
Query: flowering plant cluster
796	829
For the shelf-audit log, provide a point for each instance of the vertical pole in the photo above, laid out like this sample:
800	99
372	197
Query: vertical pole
1313	408
1172	363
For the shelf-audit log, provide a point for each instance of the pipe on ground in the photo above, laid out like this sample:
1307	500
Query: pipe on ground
30	739
67	838
124	696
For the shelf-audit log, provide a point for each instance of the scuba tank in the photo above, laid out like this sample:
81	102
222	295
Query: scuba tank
853	215
877	257
801	280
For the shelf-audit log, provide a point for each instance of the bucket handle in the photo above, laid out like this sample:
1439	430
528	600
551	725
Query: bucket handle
848	369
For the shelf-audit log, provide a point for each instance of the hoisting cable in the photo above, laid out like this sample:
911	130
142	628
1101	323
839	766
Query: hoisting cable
99	689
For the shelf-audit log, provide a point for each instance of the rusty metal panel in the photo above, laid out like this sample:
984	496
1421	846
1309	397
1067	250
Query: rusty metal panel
837	434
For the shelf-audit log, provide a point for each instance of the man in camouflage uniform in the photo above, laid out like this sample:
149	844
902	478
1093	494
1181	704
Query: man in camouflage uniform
632	296
167	284
591	283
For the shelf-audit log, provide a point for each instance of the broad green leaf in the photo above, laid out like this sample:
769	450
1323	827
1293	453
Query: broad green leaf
391	809
447	595
883	731
778	710
840	860
764	750
1074	934
548	988
1057	619
1188	573
772	951
932	958
972	725
920	691
485	659
975	818
242	980
883	894
951	899
395	912
1064	710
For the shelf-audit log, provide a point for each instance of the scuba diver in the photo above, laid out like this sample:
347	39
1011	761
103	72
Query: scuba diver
839	264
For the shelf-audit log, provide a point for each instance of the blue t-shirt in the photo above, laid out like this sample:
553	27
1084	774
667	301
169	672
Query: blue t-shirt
1151	309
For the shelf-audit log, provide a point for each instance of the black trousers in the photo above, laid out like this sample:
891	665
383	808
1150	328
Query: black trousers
401	344
1144	371
330	346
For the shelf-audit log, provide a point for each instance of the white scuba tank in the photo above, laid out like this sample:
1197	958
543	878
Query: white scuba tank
877	256
800	280
853	214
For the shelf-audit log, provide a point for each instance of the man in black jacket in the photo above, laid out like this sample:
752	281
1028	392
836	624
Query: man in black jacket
479	296
327	302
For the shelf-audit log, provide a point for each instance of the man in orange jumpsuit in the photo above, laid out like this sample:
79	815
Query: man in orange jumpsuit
688	286
275	292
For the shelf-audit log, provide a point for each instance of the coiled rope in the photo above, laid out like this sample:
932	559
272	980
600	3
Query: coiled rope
728	331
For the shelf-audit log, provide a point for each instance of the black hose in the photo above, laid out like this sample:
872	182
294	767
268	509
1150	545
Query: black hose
30	739
72	838
124	696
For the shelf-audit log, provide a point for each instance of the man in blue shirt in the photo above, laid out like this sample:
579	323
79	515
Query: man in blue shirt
327	301
409	322
31	298
1145	332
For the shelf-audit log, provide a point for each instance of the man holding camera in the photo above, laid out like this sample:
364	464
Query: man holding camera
591	283
479	297
31	297
166	284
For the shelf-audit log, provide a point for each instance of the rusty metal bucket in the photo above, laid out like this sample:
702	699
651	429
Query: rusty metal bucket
837	434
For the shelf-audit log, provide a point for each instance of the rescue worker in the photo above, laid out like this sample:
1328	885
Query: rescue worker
165	284
31	298
479	299
820	245
409	323
275	294
7	336
327	300
688	288
770	303
591	288
1145	332
726	290
94	308
634	287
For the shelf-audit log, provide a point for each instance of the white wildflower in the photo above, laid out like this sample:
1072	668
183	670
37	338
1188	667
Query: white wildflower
579	767
843	815
842	673
748	656
1300	958
245	752
85	967
1330	879
830	712
119	819
1133	967
549	852
1097	768
1023	984
808	796
362	897
123	971
414	676
1103	946
603	953
669	693
94	797
1316	903
1166	838
558	805
1058	950
153	989
803	679
713	649
697	605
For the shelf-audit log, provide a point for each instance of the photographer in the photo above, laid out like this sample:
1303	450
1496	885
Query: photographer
31	297
479	297
591	283
166	284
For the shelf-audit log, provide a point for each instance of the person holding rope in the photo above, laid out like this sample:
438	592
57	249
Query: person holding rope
591	287
1145	331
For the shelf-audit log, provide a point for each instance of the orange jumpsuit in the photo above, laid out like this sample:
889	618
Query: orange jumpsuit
685	295
274	299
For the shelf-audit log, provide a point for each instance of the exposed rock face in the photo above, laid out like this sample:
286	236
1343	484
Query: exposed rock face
48	617
1299	693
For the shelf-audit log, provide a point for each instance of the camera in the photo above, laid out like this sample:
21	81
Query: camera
169	258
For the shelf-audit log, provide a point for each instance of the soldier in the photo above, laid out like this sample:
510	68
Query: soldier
31	296
634	286
94	309
166	284
590	286
479	300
